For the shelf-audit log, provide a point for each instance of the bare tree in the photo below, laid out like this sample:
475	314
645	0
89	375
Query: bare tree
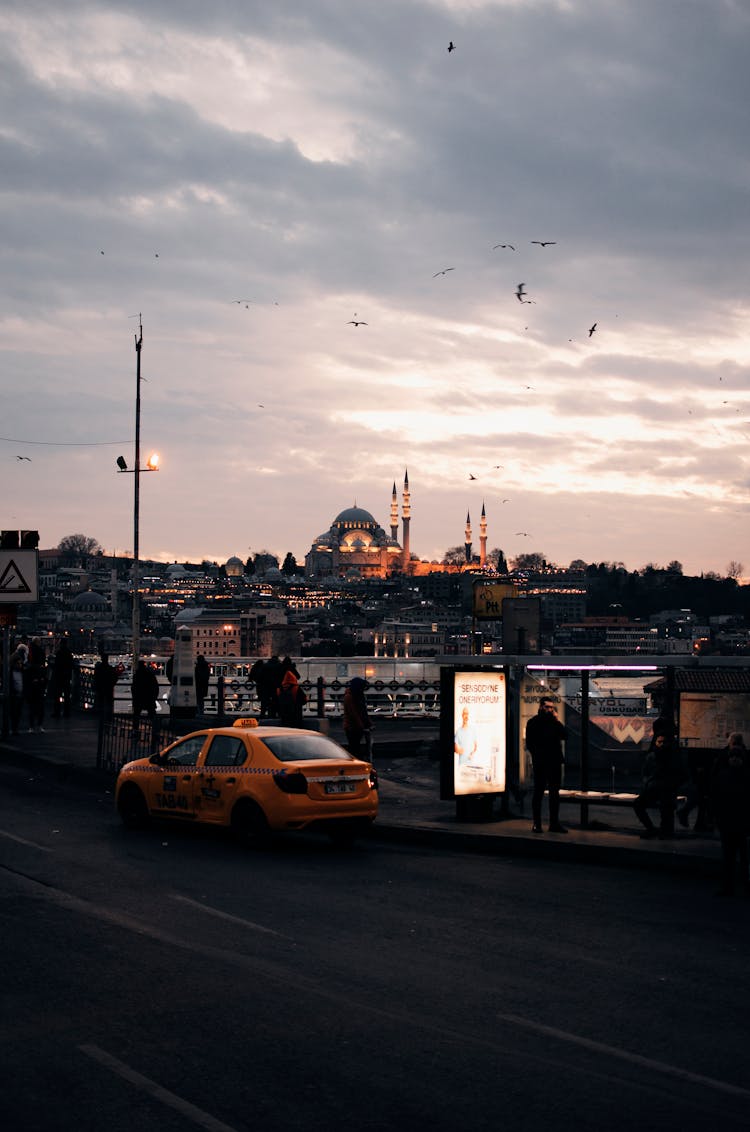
454	556
79	544
735	570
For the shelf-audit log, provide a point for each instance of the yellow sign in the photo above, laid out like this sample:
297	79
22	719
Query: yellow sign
488	599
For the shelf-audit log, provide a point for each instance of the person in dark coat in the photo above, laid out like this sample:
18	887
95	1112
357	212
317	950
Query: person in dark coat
105	678
545	735
357	725
661	775
202	674
35	684
730	799
145	691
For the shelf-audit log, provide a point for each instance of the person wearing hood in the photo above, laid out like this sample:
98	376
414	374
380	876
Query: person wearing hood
290	701
357	724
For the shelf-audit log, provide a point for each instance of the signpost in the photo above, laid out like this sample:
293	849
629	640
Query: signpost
19	583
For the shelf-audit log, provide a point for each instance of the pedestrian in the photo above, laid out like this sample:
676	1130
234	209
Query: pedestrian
105	678
357	725
697	790
145	691
62	677
545	735
35	684
256	675
202	674
290	701
660	777
730	798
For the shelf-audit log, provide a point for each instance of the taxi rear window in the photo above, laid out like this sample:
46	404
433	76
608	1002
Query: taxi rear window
298	748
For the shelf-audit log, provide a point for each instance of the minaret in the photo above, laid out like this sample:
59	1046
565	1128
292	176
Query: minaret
467	539
406	516
394	514
483	538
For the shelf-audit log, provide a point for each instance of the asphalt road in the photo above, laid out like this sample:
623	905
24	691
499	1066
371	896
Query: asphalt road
169	980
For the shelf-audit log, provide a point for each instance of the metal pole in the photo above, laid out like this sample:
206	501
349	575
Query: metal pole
136	506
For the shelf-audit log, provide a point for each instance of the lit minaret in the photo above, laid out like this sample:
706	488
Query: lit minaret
394	514
483	538
467	538
406	516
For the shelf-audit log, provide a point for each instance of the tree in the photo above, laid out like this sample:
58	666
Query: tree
735	570
674	567
533	561
289	566
79	544
250	566
454	556
496	558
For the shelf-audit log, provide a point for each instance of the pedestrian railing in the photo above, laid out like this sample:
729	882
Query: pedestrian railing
121	740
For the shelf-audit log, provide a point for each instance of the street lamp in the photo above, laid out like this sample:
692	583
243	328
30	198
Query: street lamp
152	465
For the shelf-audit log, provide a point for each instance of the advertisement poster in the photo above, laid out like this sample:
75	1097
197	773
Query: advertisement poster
479	706
532	693
707	718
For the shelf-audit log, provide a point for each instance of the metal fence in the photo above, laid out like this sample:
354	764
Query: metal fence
120	740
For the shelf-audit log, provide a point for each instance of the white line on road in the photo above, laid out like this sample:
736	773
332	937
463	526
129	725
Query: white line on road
227	916
146	1085
625	1055
24	841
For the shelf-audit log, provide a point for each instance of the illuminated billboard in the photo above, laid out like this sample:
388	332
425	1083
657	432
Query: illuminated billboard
479	731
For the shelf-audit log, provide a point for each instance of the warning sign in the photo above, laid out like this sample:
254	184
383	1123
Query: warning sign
19	576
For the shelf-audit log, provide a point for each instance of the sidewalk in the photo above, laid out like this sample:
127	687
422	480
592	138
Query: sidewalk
411	810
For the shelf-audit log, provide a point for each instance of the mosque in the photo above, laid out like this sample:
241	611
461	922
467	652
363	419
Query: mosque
355	545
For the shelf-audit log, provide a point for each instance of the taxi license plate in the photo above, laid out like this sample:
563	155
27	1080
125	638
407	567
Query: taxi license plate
340	787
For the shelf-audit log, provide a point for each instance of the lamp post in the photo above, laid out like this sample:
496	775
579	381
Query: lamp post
152	465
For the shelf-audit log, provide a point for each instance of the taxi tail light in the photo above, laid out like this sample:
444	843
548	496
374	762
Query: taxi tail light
294	783
373	778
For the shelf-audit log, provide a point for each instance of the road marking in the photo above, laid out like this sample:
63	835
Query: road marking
24	841
146	1085
625	1055
227	916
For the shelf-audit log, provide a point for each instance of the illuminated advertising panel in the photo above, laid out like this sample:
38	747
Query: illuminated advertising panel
479	710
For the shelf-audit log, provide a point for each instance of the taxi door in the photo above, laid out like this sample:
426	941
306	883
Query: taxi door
170	787
219	778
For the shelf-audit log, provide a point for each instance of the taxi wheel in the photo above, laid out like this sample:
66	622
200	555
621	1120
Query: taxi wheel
132	808
249	825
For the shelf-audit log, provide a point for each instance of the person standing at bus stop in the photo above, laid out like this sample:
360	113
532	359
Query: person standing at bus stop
545	735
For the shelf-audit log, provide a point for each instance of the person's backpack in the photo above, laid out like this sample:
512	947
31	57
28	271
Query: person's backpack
288	704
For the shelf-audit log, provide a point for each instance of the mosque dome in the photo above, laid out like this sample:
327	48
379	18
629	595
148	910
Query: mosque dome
355	517
89	599
234	567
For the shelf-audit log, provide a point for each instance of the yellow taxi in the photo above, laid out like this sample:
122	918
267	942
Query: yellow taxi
254	780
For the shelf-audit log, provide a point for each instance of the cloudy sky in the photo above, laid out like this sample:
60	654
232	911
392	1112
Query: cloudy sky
322	161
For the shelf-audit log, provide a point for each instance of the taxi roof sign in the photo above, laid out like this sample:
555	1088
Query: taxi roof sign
248	722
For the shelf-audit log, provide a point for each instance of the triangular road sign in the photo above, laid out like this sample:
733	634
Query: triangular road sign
12	580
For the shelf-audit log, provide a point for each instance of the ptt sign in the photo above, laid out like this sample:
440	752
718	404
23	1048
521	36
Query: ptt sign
488	599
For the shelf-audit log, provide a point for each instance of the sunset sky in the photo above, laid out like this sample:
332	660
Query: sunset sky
328	162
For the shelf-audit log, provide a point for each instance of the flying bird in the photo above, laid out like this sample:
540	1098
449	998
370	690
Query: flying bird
451	47
525	534
520	292
471	477
443	272
544	243
505	501
355	322
592	329
503	246
24	458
